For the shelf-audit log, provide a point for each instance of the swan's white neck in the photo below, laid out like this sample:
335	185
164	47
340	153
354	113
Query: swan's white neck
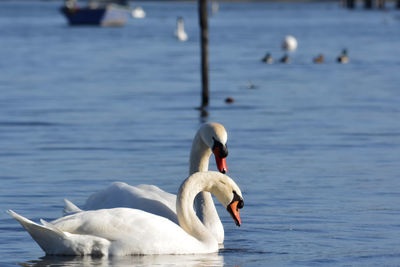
199	155
180	26
199	161
187	217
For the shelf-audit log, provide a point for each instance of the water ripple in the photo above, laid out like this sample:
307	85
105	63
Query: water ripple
28	124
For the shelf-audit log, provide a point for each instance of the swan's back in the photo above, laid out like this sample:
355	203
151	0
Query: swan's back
149	198
132	232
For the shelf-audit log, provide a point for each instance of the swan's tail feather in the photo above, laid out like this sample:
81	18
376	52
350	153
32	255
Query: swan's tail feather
52	227
56	242
70	208
46	237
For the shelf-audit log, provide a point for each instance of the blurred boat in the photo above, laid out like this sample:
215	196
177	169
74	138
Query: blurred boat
101	12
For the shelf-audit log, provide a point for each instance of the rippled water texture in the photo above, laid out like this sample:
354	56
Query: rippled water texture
315	148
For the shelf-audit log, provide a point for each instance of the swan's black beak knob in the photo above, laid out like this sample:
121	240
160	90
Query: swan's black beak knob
233	208
220	153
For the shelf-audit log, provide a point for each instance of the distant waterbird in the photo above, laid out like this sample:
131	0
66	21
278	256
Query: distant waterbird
268	59
289	43
138	13
319	59
343	58
180	30
251	85
229	100
214	7
285	59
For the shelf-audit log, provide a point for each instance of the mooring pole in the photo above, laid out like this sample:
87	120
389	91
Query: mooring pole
368	4
204	51
350	4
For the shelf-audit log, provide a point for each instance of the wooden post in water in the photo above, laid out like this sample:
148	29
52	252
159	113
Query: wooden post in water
398	4
204	51
381	4
368	4
350	3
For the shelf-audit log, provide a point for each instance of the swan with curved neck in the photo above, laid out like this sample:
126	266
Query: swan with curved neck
213	136
210	139
124	231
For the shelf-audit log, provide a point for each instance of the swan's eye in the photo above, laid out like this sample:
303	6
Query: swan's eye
236	197
219	148
240	204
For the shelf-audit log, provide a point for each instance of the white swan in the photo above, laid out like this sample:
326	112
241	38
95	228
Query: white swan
124	231
289	43
138	13
214	7
210	138
180	30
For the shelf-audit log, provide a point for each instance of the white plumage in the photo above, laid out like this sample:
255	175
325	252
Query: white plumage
152	199
289	43
180	30
125	231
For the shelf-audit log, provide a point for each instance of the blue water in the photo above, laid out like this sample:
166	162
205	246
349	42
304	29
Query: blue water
315	148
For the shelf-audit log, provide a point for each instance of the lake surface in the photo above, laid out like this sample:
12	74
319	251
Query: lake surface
315	148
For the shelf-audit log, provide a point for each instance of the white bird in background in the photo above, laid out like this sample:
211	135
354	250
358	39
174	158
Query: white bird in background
125	231
210	139
214	7
289	43
138	13
180	30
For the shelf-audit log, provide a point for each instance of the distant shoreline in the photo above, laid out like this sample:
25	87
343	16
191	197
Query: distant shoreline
222	1
276	1
134	1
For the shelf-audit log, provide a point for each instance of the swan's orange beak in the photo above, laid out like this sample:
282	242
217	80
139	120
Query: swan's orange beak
220	158
221	164
233	210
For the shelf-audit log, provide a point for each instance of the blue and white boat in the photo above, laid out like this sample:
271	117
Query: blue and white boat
100	12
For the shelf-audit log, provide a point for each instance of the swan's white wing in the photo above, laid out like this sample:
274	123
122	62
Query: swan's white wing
155	192
148	198
132	231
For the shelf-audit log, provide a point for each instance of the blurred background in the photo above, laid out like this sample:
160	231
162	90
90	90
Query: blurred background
313	143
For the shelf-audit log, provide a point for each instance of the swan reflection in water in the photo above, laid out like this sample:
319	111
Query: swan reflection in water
212	259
